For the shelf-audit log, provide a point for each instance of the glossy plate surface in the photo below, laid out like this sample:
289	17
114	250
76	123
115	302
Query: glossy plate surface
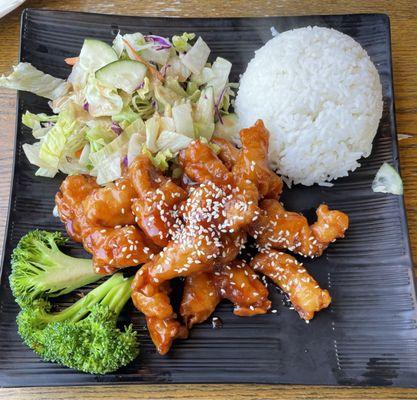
369	334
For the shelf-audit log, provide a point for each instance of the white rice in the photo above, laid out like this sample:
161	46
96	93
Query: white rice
320	96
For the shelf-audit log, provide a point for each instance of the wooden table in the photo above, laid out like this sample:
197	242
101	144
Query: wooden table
404	43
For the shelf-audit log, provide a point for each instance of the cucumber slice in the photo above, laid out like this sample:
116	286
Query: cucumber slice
95	54
124	74
387	180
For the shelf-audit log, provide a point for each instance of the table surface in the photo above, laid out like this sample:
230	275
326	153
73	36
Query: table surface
404	49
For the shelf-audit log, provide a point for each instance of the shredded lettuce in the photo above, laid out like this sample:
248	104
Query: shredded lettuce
228	129
172	83
64	139
27	78
134	147
78	77
102	100
148	48
165	96
212	145
152	126
126	115
221	69
195	58
137	126
160	160
84	159
107	161
174	68
183	120
40	124
204	114
34	121
180	42
96	54
172	141
99	135
118	45
145	90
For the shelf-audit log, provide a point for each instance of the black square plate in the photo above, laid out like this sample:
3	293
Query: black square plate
367	337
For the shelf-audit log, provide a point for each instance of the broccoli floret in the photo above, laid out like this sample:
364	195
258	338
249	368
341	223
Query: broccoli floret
83	336
40	269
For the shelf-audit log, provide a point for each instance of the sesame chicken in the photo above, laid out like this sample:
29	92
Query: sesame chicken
281	229
303	291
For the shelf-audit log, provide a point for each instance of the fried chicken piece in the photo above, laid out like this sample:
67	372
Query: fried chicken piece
238	283
201	165
192	251
282	229
232	244
199	299
253	177
158	197
109	206
330	225
164	331
303	291
117	247
204	206
228	152
73	191
112	248
153	301
252	162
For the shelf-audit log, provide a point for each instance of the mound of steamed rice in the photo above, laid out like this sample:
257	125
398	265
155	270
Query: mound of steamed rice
319	94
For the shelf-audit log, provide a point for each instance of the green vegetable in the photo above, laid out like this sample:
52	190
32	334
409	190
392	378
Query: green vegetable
204	114
40	269
182	114
65	138
83	336
95	54
33	121
58	144
195	59
99	136
107	161
173	84
122	74
228	129
26	77
172	141
102	100
387	180
127	115
144	108
160	160
180	43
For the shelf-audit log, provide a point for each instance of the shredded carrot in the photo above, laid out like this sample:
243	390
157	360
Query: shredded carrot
151	68
72	60
78	153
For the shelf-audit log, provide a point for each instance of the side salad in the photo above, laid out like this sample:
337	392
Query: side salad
142	94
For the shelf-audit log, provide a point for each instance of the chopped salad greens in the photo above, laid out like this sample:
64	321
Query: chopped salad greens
142	94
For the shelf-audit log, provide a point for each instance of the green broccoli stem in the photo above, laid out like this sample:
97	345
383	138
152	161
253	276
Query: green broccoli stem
118	296
82	307
64	271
